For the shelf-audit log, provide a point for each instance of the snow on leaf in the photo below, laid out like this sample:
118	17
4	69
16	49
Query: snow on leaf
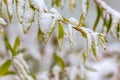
9	4
61	34
22	67
73	21
115	15
95	46
72	4
47	22
92	40
20	9
2	21
28	19
85	5
39	5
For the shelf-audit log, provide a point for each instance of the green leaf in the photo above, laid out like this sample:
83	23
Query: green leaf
1	7
9	10
5	66
80	30
33	76
9	73
109	24
59	60
109	75
16	44
57	2
94	50
1	31
8	45
118	31
97	19
89	68
60	31
84	57
65	20
40	35
61	34
81	21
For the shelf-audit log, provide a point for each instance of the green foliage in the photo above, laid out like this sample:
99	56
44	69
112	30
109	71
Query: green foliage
109	24
59	60
9	5
61	34
94	50
97	19
40	35
16	44
56	2
5	67
15	48
90	68
1	31
118	31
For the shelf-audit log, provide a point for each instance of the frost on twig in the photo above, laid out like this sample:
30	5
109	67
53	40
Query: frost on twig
22	67
113	21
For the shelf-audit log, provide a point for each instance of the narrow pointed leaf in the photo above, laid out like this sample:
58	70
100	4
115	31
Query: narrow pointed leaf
8	45
94	50
59	60
5	66
9	4
16	44
40	35
61	34
97	19
9	73
109	24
